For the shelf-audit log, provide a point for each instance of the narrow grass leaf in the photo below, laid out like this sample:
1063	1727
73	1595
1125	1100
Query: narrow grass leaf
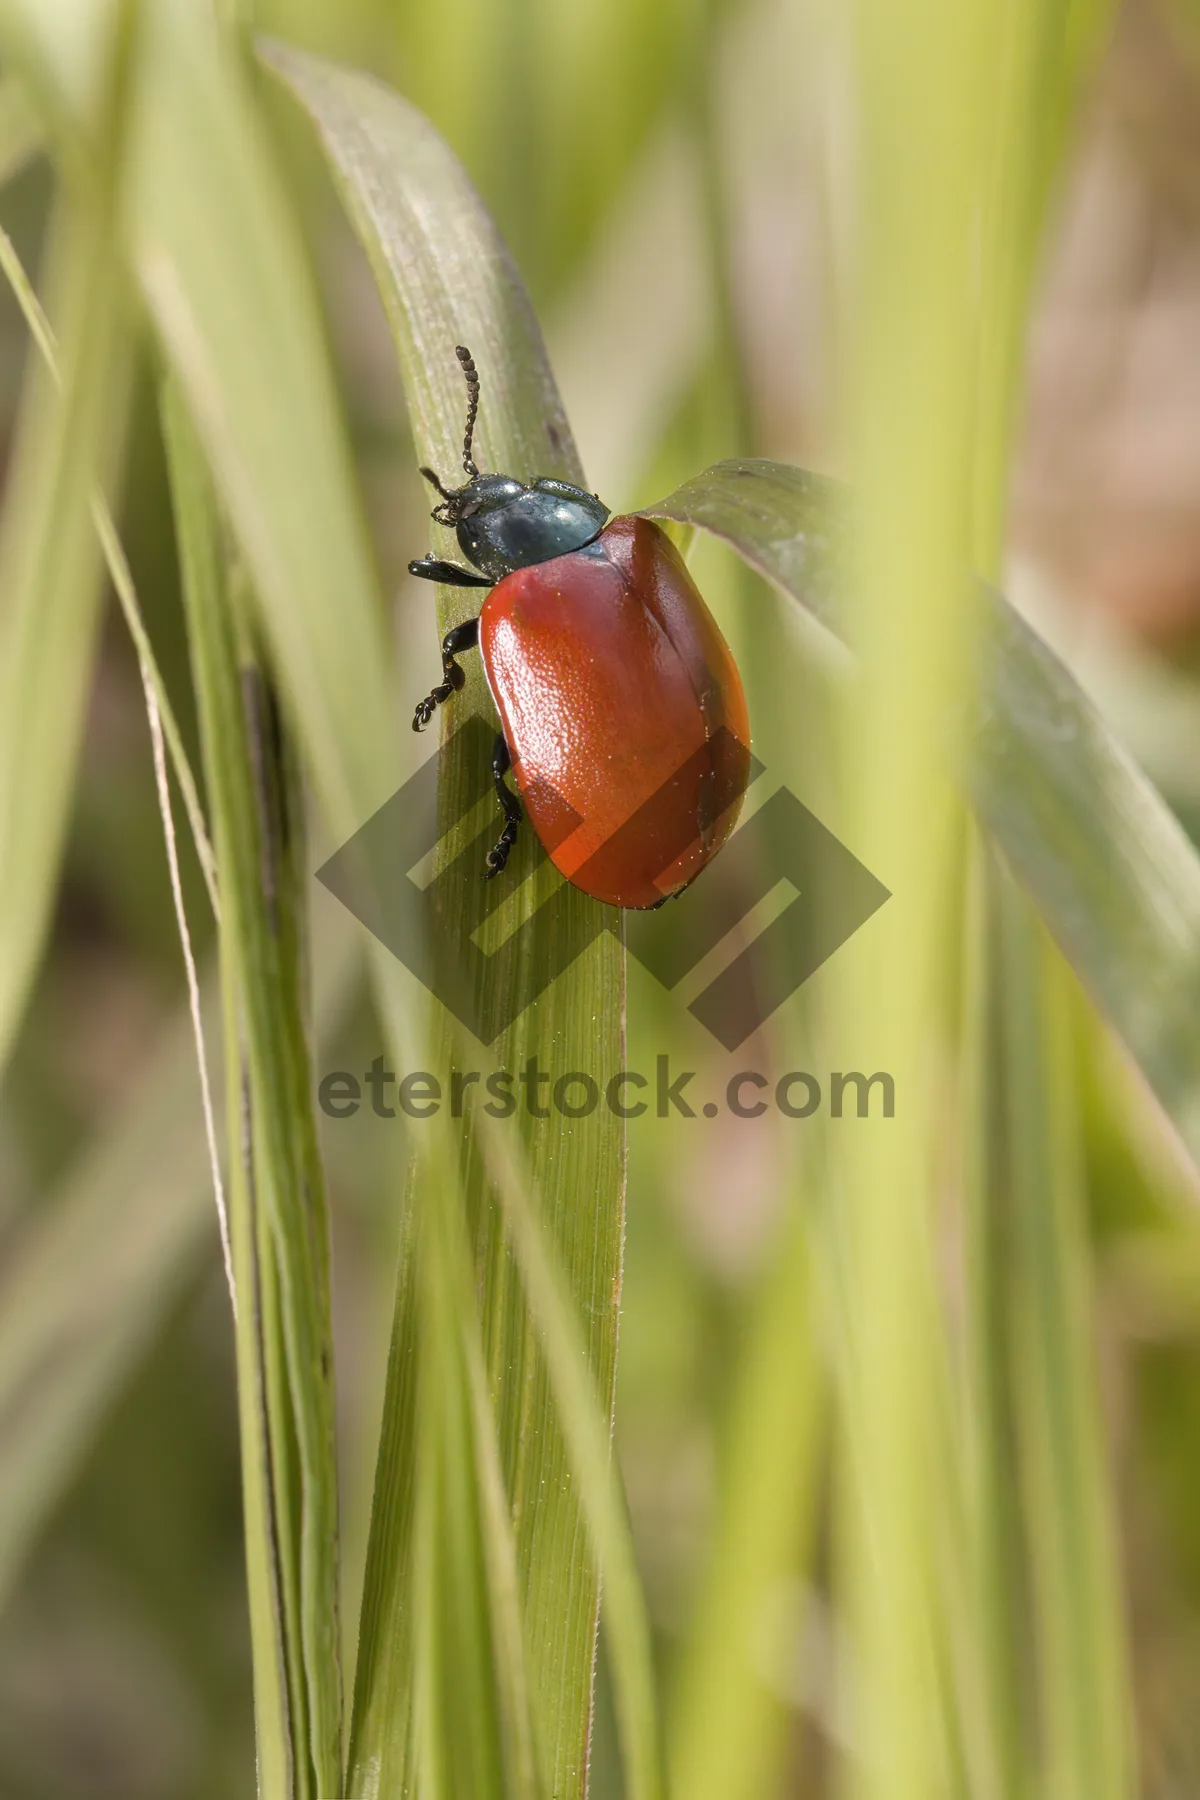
459	1729
996	1735
507	1625
1084	1701
502	1621
284	1331
50	582
445	279
122	579
581	1414
217	252
728	1721
161	719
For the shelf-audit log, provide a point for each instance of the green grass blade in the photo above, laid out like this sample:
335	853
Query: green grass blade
727	1726
1084	1702
459	1732
67	441
909	422
993	1595
283	1329
446	279
443	272
225	276
507	1625
583	1415
219	262
1107	864
222	267
503	1634
122	579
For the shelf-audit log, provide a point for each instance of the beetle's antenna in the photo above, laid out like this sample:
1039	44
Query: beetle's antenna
472	374
435	481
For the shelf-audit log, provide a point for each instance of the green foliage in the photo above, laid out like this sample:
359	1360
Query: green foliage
279	1226
915	1457
50	570
446	279
1106	861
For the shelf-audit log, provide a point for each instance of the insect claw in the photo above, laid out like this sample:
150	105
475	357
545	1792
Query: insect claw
497	856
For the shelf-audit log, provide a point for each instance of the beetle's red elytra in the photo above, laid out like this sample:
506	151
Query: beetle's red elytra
622	713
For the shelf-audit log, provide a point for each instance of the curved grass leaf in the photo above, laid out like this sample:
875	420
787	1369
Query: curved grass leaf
220	261
226	280
122	580
446	278
1106	862
67	442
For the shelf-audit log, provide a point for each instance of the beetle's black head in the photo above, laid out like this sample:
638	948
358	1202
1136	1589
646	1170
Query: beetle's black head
501	523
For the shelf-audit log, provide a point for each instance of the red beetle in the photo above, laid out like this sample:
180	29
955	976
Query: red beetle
622	713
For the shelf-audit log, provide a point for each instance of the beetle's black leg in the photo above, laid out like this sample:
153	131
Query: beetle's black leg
501	764
457	639
677	895
432	568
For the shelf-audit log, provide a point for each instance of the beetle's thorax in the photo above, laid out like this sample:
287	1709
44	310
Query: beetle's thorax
503	524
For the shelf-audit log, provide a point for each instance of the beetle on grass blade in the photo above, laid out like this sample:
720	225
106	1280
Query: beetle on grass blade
622	713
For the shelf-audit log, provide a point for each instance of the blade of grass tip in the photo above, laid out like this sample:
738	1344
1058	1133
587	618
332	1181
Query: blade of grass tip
445	278
50	569
288	1342
20	133
122	580
1107	864
1085	1703
727	1721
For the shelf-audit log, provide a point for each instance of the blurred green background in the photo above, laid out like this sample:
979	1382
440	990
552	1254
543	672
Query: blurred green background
675	182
